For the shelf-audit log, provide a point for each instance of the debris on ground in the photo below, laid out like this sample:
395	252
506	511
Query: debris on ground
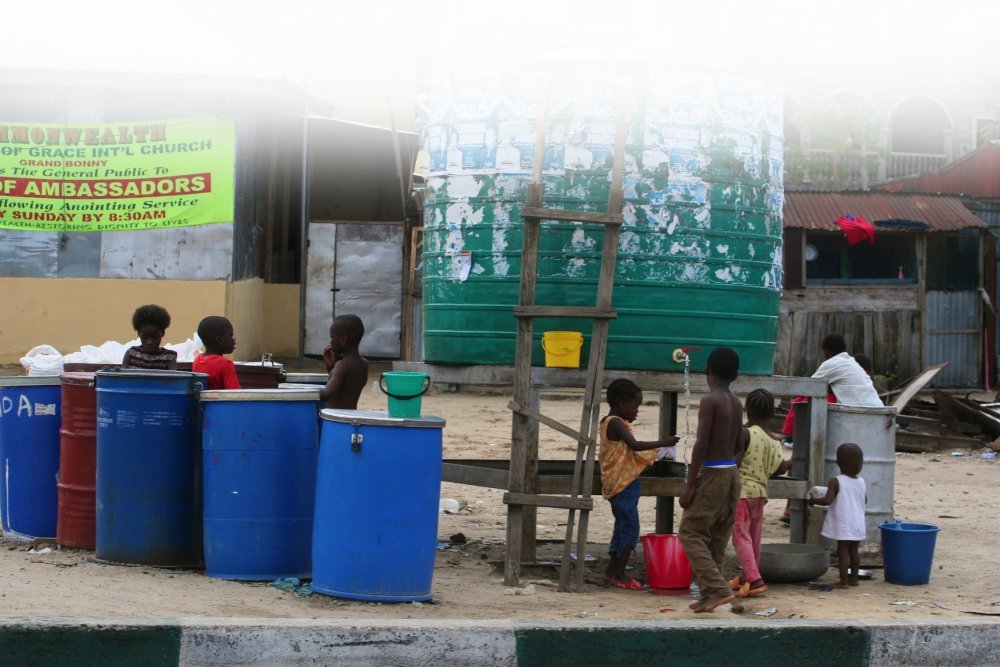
293	585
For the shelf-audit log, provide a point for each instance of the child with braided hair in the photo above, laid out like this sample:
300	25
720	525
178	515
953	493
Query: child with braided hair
623	459
760	459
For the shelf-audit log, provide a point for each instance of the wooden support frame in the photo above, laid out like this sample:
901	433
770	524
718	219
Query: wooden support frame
807	455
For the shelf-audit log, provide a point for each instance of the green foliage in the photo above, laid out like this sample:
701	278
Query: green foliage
991	131
844	150
889	380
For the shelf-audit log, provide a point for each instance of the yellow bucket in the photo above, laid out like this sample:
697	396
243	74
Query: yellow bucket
562	348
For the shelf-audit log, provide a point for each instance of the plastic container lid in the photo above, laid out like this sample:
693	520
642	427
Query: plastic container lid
29	380
297	393
379	418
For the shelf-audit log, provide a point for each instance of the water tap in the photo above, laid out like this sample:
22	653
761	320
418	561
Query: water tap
681	354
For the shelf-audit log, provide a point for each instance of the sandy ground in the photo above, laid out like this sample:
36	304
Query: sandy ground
958	493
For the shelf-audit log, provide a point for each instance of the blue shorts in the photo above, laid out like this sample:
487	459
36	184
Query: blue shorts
625	508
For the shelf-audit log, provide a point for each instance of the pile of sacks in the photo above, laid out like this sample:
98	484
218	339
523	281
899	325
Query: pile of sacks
47	360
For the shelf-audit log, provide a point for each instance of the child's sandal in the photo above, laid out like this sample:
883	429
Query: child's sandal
747	592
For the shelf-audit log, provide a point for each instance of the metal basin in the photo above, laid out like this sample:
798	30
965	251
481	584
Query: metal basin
792	562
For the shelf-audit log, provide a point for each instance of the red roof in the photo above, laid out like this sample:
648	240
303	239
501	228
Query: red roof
976	174
820	210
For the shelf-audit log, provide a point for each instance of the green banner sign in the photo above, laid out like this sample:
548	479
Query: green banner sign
116	176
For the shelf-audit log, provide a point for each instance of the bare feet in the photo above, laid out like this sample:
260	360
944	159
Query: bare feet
853	582
710	604
697	603
840	585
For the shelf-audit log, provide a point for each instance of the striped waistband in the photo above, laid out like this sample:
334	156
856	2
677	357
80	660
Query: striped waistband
722	463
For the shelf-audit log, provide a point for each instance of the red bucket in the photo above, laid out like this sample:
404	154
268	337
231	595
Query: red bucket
667	565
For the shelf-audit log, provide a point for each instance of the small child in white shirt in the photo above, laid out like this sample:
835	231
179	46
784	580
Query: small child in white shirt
846	496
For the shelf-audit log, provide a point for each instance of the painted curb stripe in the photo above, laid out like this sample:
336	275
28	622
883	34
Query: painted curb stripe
38	645
201	642
671	646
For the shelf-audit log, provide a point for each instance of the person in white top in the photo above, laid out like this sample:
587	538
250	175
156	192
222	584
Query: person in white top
846	496
848	381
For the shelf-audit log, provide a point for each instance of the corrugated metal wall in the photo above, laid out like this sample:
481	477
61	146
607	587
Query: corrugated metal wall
953	326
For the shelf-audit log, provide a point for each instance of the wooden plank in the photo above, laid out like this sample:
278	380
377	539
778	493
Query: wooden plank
529	515
816	416
548	421
565	311
852	299
667	427
523	448
524	430
537	500
571	216
914	386
500	376
474	475
493	474
910	441
963	410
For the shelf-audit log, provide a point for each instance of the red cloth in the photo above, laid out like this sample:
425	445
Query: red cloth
221	371
789	426
856	229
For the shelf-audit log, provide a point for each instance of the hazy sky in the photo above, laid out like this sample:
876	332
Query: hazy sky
376	48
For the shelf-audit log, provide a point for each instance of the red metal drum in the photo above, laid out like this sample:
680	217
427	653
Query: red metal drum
77	508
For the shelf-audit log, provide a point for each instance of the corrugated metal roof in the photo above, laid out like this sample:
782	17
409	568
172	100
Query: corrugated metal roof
976	174
820	210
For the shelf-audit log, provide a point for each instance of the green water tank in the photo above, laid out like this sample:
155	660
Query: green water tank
699	257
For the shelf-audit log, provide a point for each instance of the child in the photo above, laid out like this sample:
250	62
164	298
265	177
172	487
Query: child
713	483
846	496
216	334
151	323
759	460
348	369
623	459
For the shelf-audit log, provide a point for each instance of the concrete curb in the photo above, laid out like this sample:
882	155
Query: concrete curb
200	642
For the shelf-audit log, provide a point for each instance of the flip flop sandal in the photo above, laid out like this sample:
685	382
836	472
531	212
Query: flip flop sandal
735	584
630	585
747	592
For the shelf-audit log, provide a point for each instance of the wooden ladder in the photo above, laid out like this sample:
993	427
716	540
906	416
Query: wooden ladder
525	417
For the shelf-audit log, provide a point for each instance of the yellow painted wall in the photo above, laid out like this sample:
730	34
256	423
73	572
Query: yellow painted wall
281	320
70	313
243	308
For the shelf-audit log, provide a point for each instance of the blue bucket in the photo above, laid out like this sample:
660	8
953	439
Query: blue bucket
149	467
908	551
29	452
378	489
259	449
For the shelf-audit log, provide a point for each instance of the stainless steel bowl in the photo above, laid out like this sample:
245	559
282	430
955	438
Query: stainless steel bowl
790	563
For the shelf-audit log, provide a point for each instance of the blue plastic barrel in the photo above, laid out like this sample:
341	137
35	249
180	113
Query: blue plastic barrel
259	450
378	489
149	467
29	451
908	551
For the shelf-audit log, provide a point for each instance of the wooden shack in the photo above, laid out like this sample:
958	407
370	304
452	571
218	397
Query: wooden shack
920	294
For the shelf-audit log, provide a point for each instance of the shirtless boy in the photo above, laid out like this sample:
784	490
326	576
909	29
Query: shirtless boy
713	483
348	369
